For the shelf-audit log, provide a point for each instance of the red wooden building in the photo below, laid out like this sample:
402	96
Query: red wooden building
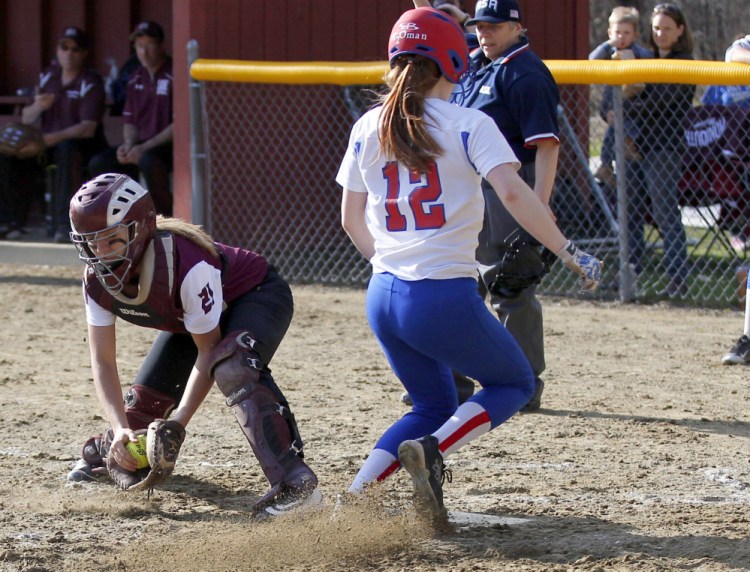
274	30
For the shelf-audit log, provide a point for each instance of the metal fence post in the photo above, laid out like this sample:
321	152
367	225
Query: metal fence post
627	278
197	145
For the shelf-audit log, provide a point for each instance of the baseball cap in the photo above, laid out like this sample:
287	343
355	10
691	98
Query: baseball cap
77	35
148	28
495	12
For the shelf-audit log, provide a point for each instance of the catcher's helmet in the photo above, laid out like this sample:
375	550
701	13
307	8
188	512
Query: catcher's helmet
433	34
113	221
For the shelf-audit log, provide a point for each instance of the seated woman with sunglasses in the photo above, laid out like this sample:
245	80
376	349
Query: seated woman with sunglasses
68	106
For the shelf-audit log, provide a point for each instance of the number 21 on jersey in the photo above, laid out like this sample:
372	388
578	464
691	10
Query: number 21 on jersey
428	213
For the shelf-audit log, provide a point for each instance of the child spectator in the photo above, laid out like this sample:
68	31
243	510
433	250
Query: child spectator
621	45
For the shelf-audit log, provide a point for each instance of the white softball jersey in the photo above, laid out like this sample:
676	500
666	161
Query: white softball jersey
426	225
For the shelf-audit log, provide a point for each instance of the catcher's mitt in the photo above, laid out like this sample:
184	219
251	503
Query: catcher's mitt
21	141
163	442
524	264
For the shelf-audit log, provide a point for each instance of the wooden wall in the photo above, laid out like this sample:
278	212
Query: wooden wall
347	30
283	30
31	29
331	30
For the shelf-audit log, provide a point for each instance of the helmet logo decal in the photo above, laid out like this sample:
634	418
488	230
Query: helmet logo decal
409	31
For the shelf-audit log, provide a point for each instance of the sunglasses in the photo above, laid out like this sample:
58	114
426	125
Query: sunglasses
67	48
668	9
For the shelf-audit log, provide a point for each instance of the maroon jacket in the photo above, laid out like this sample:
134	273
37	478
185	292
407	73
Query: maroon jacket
148	101
83	99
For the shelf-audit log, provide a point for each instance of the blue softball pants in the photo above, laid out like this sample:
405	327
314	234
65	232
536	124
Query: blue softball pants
428	328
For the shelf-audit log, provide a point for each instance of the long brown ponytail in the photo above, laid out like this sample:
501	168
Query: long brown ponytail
402	131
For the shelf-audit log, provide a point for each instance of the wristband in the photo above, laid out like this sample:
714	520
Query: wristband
567	252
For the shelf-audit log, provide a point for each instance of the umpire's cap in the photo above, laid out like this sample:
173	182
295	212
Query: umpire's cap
495	12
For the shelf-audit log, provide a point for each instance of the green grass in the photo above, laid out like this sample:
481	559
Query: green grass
712	282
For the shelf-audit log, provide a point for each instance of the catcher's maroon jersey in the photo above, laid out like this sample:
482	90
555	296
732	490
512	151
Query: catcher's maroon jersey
148	101
182	288
80	100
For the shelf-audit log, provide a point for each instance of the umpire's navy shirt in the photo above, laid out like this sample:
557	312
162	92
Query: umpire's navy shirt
520	94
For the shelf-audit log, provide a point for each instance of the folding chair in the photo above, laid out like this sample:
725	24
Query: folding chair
714	178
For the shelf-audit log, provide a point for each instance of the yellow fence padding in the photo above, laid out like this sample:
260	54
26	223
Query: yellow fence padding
580	72
337	73
700	72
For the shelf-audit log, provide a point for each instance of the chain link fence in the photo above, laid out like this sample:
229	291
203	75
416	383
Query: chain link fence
676	174
648	180
273	153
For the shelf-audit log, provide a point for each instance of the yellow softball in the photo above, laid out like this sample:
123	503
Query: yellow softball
138	450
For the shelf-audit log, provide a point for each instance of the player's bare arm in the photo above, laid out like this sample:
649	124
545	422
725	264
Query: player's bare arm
42	102
353	220
102	345
545	168
525	206
164	136
200	381
82	130
129	138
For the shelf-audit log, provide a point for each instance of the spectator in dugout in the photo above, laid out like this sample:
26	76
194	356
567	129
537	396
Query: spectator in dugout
147	120
68	106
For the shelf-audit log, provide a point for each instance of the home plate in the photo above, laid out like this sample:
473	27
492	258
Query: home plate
478	519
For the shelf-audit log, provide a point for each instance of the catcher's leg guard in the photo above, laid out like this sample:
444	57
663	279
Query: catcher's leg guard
144	404
269	426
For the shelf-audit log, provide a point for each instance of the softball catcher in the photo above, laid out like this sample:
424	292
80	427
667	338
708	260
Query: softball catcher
222	312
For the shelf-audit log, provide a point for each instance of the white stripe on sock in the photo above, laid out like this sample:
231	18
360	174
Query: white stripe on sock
375	465
468	422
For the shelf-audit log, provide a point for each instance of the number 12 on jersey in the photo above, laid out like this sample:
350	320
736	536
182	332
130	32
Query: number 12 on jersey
426	216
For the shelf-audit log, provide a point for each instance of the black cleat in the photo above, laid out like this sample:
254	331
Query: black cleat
739	354
291	501
535	402
424	462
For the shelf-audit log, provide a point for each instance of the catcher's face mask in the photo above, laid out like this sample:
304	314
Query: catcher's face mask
107	253
113	222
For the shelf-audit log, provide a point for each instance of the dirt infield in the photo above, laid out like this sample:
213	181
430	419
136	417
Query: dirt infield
637	461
